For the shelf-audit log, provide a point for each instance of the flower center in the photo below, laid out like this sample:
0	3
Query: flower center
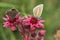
33	20
12	20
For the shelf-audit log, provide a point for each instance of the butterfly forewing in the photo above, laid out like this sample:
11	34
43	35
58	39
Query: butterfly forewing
37	11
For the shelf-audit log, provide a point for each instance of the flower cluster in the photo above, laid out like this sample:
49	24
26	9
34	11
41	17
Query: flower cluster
33	28
10	21
30	27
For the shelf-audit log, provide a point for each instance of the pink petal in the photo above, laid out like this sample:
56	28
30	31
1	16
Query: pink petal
7	16
42	20
18	19
43	32
42	38
5	19
32	27
6	24
26	22
13	28
40	25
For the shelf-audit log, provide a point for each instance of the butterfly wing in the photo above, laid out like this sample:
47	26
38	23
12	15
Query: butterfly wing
37	11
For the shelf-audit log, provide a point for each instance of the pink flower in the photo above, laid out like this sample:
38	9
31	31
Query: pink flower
33	22
40	38
6	24
13	28
11	23
33	34
42	32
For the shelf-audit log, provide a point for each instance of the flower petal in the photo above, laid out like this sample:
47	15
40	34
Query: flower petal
5	19
6	24
32	27
42	32
13	28
42	20
40	25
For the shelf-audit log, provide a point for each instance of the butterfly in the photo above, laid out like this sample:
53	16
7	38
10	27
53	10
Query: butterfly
12	13
37	11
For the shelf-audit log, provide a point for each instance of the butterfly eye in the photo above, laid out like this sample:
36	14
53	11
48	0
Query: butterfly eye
37	11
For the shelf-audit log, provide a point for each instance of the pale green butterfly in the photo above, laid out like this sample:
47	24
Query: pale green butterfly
37	11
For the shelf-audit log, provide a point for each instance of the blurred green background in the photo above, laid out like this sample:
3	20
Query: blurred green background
51	13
